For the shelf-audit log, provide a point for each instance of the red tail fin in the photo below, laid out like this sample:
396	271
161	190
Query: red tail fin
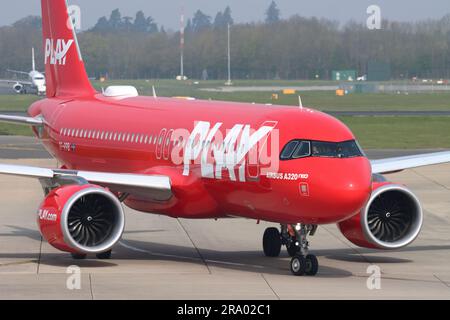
64	67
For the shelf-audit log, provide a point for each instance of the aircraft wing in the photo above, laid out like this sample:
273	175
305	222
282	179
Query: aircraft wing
38	121
18	72
390	165
24	83
150	186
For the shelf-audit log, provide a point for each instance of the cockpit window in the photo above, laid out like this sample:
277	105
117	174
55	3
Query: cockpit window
300	149
351	149
289	150
324	149
303	150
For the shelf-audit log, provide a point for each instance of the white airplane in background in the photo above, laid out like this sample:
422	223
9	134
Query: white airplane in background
35	82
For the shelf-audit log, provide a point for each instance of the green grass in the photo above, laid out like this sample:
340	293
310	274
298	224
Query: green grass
378	101
320	100
16	102
400	132
328	101
7	129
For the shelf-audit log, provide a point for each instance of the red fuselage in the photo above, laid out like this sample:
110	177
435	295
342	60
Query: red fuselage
136	135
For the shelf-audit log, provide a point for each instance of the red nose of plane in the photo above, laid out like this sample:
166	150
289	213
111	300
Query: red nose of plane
340	188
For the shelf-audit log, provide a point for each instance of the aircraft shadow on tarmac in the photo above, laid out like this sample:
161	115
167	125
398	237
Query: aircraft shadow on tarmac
248	261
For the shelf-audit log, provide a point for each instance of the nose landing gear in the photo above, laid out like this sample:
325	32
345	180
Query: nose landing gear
294	237
272	242
301	265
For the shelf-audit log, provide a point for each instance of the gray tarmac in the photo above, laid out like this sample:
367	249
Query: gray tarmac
270	88
165	258
15	147
6	89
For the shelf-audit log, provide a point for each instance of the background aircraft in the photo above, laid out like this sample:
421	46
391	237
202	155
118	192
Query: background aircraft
35	82
193	159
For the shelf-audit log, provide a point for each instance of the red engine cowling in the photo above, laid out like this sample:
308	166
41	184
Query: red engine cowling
391	219
81	219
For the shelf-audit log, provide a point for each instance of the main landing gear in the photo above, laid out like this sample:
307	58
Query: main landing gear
294	237
102	256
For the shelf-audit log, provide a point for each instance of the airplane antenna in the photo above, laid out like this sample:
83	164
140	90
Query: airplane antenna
154	92
300	103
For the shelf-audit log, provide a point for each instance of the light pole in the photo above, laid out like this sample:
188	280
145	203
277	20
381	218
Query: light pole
182	76
229	83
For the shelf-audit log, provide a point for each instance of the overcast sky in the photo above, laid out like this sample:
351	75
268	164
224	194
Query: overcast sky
167	12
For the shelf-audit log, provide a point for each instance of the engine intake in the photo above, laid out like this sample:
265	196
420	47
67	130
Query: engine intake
18	88
81	219
391	219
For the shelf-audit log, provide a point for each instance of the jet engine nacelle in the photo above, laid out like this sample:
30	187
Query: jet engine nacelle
391	219
81	219
18	87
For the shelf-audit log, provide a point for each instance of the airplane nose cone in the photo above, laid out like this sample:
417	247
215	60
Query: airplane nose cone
354	183
345	187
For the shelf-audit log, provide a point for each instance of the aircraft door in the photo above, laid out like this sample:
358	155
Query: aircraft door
160	143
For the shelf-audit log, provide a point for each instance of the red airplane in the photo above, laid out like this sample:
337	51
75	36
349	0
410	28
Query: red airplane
296	167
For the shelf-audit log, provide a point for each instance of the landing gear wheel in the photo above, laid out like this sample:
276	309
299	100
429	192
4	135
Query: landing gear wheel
78	256
312	265
272	242
298	265
104	255
292	249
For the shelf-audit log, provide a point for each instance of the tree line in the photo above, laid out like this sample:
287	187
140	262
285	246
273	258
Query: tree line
292	48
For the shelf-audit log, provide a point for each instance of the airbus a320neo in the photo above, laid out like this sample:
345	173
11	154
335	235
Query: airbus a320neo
193	159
